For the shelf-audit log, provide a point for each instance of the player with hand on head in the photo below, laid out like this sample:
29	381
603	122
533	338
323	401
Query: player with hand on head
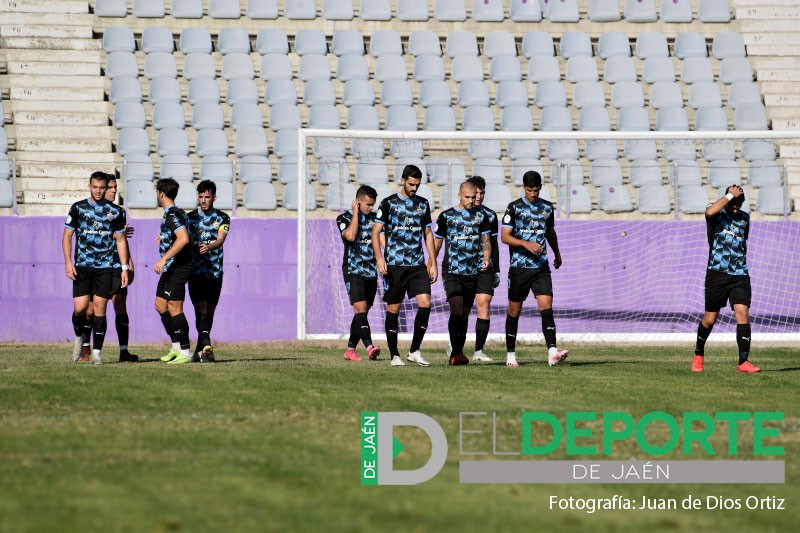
359	270
405	221
465	232
528	226
727	275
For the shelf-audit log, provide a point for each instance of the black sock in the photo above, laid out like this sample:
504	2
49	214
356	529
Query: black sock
702	336
743	340
123	327
364	331
463	324
99	334
181	327
166	321
352	342
481	332
454	330
87	330
512	323
420	326
78	323
548	327
392	321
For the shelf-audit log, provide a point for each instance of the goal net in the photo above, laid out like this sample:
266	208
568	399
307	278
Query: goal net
634	266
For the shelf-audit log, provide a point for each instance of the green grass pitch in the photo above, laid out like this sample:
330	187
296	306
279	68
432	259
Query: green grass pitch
267	439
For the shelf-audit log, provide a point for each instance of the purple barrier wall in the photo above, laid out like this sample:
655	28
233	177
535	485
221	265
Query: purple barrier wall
647	274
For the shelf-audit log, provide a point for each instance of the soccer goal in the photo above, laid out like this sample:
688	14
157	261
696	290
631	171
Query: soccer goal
629	220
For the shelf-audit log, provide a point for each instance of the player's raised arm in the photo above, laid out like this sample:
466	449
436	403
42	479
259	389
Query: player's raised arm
351	232
734	191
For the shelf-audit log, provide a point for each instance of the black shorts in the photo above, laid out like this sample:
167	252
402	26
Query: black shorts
116	282
400	280
486	282
361	289
521	281
91	281
172	283
722	287
205	289
464	286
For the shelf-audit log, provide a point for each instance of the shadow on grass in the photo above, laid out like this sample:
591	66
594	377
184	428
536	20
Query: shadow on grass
790	369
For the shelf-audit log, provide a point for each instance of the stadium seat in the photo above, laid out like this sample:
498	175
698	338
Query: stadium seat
683	173
424	43
272	41
412	10
157	39
520	166
217	168
461	43
172	141
710	118
574	199
484	149
544	68
450	10
594	118
613	43
110	8
428	68
370	171
696	69
368	148
703	94
396	92
129	115
764	174
443	170
332	170
197	66
169	115
505	68
605	172
723	173
233	41
525	11
679	149
473	93
676	11
439	118
521	149
284	117
287	171
619	69
772	201
352	67
690	44
121	65
665	94
672	118
199	90
580	68
337	9
743	93
208	115
556	119
301	10
148	8
125	90
498	196
314	67
510	93
538	43
285	143
633	119
735	69
645	172
129	141
563	11
516	118
195	40
250	141
140	194
323	117
224	9
391	68
640	11
401	118
750	117
187	9
692	199
135	167
187	197
490	169
347	42
467	68
499	43
310	42
478	118
719	149
290	197
614	199
658	69
244	91
487	10
575	43
566	171
385	43
651	44
627	93
358	92
376	10
728	44
653	199
177	167
237	66
260	196
118	39
211	142
402	162
758	149
316	92
714	11
407	147
339	198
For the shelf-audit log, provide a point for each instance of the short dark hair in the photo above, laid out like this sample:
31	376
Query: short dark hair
207	185
366	190
736	199
532	179
169	187
478	181
412	171
99	176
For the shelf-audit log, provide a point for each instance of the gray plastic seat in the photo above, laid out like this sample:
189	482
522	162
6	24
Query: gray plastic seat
272	41
187	197
728	44
177	167
358	92
233	41
401	118
487	10
250	141
148	8
290	196
396	92
187	9
211	142
581	68
597	149
439	118
136	167
510	93
640	11
322	147
525	11
505	68
172	141
361	117
563	11
428	68
385	43
516	118
613	43
111	8
391	68
316	92
538	43
690	44
130	141
301	10
672	118
478	118
285	143
121	65
254	168
651	44
324	117
523	148
764	174
550	93
685	172
118	39
352	67
614	199
466	68
704	94
645	172
636	149
314	67
310	42
743	93
450	10
243	90
236	65
665	94
442	170
461	43
407	147
658	69
376	10
520	166
260	196
714	11
633	119
276	67
484	148
575	43
710	118
195	40
473	93
772	201
423	42
490	169
224	9
594	118
157	39
347	42
574	199
605	172
676	11
126	90
371	171
169	115
160	65
497	197
618	69
696	69
604	11
208	115
556	119
724	173
196	66
284	117
692	199
262	9
140	194
337	9
412	10
653	199
627	93
543	68
679	150
199	90
217	168
434	93
758	149
750	117
718	149
499	43
339	197
734	70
